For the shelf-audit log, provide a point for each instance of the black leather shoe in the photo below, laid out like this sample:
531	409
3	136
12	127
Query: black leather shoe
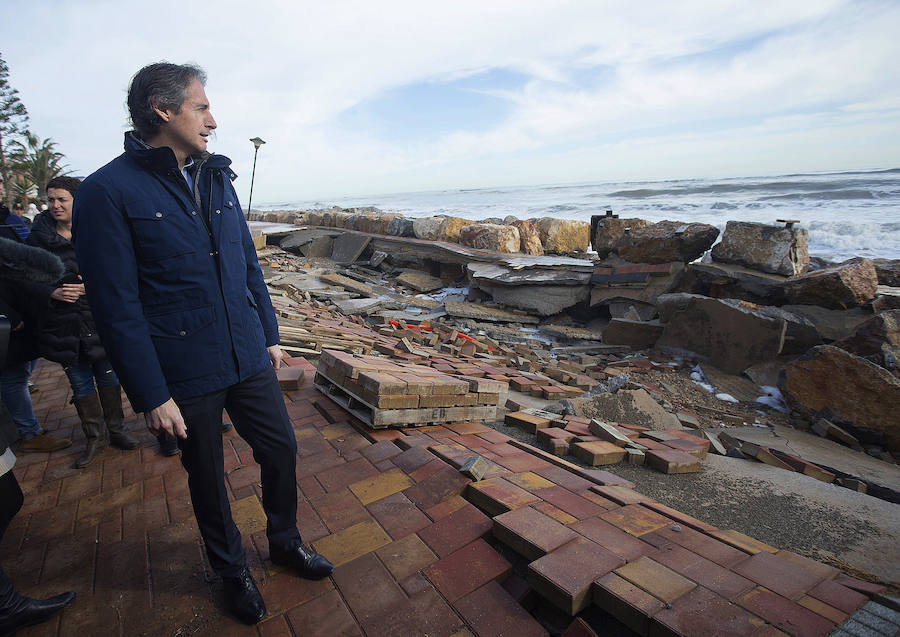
308	563
27	612
168	445
243	598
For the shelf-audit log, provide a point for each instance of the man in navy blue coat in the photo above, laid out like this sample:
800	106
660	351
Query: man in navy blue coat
179	301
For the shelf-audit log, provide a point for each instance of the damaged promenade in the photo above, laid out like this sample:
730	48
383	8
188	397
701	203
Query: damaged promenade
497	442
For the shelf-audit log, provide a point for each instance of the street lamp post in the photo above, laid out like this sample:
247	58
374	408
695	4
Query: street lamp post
257	142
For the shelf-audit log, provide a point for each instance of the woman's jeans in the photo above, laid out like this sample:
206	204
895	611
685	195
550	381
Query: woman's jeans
15	395
82	375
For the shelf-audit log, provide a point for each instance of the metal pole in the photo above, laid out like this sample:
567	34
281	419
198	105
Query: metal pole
252	177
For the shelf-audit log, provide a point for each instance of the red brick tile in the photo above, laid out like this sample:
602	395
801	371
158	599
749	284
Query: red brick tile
531	533
324	615
467	569
319	463
436	488
425	613
413	458
445	508
467	428
491	611
427	470
626	602
398	516
682	518
407	556
564	576
658	580
274	627
702	612
620	495
612	538
519	461
717	578
284	591
343	475
838	596
456	530
778	575
785	614
866	588
367	587
569	502
339	510
144	515
381	451
635	519
830	613
704	545
496	496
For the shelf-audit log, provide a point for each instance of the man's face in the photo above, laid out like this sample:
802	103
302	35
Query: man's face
188	129
59	202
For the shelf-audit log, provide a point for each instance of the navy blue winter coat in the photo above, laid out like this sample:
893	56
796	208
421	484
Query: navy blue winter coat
171	275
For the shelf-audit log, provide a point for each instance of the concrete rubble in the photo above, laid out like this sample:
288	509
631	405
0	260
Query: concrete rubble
599	362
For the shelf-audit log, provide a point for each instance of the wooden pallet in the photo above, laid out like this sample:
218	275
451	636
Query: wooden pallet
378	418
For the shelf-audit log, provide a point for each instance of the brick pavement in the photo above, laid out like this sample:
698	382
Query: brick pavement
419	548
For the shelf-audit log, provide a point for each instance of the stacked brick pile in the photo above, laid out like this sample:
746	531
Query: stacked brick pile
599	443
385	393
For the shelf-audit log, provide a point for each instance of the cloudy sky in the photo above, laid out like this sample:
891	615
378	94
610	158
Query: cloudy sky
384	96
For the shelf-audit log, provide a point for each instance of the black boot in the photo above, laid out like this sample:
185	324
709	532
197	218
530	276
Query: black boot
18	611
305	561
168	445
243	598
111	400
91	415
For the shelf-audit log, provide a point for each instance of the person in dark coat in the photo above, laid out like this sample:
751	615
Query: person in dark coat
178	295
66	333
16	610
15	304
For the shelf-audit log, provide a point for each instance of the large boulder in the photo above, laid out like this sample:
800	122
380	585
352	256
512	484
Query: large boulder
375	223
564	236
607	231
831	325
489	236
877	339
667	241
848	284
439	228
634	334
529	237
315	218
729	281
888	271
828	382
732	335
758	246
400	227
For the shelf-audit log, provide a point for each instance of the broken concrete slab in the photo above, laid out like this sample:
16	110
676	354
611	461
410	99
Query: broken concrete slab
479	312
347	283
888	271
849	284
667	241
730	335
775	249
419	281
634	334
513	273
832	383
357	306
722	280
629	406
347	247
875	336
543	300
831	325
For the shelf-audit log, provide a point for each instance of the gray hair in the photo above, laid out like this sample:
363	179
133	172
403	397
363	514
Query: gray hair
163	85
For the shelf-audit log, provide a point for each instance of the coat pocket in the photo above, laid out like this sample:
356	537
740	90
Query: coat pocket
159	232
186	343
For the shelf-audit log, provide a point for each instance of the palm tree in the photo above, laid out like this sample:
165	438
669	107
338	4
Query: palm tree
35	163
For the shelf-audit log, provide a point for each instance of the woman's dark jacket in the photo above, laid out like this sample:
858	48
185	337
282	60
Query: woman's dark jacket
64	332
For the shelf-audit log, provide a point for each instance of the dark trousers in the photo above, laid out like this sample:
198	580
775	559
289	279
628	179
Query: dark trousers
10	503
257	410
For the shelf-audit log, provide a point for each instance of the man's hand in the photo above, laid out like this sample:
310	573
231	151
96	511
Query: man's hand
166	418
68	292
276	355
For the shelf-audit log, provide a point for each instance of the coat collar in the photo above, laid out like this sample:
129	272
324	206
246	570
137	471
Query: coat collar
162	159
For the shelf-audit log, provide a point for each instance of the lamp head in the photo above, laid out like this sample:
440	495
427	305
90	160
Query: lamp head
257	142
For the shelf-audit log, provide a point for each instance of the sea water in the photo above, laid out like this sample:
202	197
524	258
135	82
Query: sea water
847	214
